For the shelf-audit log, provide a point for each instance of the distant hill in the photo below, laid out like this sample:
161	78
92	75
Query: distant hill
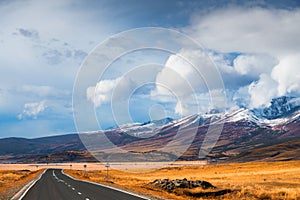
284	151
44	145
21	149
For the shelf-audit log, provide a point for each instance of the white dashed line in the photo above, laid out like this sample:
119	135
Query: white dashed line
73	188
87	199
79	193
116	189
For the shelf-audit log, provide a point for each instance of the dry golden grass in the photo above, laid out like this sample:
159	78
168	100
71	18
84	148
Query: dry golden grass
276	180
11	181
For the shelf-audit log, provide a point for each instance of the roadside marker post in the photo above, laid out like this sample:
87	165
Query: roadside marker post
84	166
107	166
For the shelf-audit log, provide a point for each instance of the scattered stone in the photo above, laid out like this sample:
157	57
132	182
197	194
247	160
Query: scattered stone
172	185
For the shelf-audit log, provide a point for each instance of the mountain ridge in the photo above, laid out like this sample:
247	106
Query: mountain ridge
243	131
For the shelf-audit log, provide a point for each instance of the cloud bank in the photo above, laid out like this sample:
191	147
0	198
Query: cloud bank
267	41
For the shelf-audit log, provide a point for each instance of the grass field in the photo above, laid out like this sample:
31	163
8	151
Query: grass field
11	181
277	180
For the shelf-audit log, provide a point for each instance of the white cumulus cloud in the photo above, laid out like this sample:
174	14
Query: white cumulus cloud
187	72
254	64
262	91
109	90
188	75
32	109
284	79
287	74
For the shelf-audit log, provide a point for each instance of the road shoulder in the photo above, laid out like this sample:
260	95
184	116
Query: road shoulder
21	193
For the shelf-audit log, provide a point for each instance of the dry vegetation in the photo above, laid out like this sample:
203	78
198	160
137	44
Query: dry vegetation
11	181
277	180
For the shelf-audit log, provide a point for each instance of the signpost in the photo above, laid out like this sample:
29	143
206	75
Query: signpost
107	166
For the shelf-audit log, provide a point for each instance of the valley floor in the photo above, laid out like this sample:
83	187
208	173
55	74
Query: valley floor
259	180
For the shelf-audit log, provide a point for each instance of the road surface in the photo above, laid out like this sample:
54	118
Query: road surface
54	185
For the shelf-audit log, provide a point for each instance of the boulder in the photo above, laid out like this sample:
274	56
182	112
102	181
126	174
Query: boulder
171	185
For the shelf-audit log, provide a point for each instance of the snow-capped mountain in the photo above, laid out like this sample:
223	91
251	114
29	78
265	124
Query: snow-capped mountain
279	108
245	132
251	117
145	129
282	110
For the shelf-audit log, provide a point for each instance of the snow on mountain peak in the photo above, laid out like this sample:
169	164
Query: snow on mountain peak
280	107
282	110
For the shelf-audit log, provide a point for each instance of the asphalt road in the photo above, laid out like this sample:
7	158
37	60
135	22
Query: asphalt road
54	185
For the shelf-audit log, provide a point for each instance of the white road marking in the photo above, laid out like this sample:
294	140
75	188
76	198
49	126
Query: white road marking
106	186
54	175
79	193
73	188
87	199
58	180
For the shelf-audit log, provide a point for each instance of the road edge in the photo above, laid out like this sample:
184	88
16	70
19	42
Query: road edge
21	193
107	186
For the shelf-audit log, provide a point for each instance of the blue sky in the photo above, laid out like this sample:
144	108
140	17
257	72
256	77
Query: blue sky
254	45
